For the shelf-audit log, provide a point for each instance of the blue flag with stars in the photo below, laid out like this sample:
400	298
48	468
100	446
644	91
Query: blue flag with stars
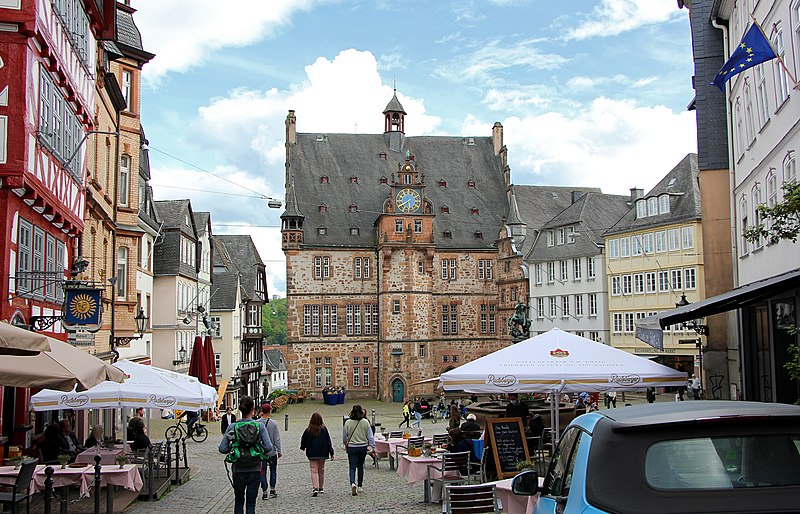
754	49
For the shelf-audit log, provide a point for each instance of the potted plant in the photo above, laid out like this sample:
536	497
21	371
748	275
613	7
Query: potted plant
63	458
526	465
121	460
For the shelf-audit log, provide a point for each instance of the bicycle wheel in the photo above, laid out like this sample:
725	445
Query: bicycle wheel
199	434
173	433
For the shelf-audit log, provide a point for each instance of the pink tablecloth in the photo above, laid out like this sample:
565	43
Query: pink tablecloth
106	456
62	477
415	469
128	476
512	503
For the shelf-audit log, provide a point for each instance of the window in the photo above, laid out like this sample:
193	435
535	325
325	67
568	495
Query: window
124	179
50	267
550	238
779	73
484	319
617	324
318	377
449	269
578	305
447	234
540	308
641	209
417	226
328	376
442	183
789	169
565	306
551	272
356	377
453	319
420	267
323	208
354	231
590	270
673	236
539	273
661	241
445	209
749	113
647	243
577	270
616	286
306	320
628	322
421	351
739	132
475	210
445	358
396	307
122	272
551	304
126	89
652	206
365	376
592	304
613	248
322	231
374	322
59	128
398	226
594	336
561	236
687	234
636	245
492	318
627	284
38	262
650	282
638	283
625	247
354	180
663	281
367	319
663	204
755	202
484	269
676	279
314	320
564	267
570	235
328	359
362	268
762	102
24	258
322	267
445	319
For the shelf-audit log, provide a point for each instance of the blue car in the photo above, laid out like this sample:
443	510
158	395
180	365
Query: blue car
676	457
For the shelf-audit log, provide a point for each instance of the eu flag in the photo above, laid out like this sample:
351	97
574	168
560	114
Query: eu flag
754	49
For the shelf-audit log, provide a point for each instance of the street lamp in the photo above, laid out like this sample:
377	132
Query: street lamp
683	301
182	354
141	322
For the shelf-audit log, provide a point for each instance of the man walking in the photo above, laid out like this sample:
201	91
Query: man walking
695	383
246	473
271	464
228	418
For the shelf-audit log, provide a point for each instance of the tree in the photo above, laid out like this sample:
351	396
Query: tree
781	221
273	321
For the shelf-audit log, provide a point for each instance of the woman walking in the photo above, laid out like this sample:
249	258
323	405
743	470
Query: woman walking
357	438
406	415
316	441
455	417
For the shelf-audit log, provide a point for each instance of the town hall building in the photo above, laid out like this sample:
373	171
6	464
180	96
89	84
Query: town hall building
391	251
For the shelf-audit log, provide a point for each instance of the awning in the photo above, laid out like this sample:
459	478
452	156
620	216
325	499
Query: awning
650	329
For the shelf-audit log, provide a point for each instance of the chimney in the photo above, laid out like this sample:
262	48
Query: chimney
497	137
636	194
291	128
576	195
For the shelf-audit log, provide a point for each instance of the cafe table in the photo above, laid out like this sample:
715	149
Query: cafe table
107	456
389	447
415	469
512	503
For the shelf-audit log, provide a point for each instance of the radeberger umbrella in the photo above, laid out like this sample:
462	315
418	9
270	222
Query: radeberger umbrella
18	341
63	368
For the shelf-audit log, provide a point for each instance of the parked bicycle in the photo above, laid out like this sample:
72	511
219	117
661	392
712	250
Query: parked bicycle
178	431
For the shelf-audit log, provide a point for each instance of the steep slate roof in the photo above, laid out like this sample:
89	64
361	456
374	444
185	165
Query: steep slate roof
342	156
274	360
684	199
539	204
244	258
201	219
593	213
223	291
167	253
127	32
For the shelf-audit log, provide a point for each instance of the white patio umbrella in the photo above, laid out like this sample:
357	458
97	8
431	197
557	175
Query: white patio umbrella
145	386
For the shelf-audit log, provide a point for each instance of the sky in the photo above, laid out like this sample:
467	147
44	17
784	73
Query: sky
589	92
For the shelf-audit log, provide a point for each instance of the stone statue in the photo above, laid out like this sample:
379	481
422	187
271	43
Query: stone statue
519	325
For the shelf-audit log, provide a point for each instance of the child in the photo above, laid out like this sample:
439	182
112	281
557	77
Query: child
317	444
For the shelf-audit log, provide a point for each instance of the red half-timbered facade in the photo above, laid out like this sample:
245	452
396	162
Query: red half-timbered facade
48	61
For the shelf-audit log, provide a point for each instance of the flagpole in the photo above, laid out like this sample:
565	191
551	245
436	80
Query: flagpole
780	59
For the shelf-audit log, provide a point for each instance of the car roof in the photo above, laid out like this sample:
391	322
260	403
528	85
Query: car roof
689	411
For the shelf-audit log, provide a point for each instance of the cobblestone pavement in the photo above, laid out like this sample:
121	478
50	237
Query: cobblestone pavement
209	490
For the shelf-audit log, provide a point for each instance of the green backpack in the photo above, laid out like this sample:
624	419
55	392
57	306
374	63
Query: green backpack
246	448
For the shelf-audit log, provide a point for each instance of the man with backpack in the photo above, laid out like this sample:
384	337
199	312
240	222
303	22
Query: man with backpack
245	443
269	467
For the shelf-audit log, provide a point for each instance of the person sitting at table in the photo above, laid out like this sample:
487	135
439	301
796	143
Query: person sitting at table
470	425
60	440
136	421
95	438
459	444
140	439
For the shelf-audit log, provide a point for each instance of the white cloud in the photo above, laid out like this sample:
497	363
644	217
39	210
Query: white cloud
582	82
493	56
508	99
613	17
611	144
205	26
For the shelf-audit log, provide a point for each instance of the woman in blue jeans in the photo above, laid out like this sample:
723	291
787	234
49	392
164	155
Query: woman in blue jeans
357	438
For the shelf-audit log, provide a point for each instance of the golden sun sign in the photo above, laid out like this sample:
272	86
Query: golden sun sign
83	306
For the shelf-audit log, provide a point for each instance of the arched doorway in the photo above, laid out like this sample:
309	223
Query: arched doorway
398	390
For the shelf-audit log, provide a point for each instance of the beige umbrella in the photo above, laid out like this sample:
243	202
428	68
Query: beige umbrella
17	341
64	367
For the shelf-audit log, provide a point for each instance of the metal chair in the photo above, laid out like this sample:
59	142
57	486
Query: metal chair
395	434
440	440
471	499
453	468
22	487
412	442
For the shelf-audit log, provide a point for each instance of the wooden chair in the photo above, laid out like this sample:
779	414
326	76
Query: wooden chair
22	487
395	434
440	440
471	499
453	468
411	442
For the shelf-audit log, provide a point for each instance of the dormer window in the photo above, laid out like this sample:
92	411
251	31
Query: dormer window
641	209
322	231
447	234
471	184
384	180
352	208
354	180
442	183
445	209
652	206
663	204
323	179
382	155
323	208
354	231
478	234
475	210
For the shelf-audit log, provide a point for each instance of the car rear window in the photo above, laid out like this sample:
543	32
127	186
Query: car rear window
724	462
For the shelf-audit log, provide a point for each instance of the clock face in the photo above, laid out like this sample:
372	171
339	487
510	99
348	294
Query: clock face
408	200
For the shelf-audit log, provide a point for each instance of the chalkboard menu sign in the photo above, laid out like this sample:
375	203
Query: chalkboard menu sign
506	436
